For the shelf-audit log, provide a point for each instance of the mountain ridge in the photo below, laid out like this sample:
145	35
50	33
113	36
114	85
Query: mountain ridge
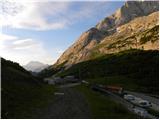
81	49
129	11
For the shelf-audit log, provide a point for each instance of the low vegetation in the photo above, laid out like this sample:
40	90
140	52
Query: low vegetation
47	72
153	112
22	94
126	41
51	70
150	35
133	69
103	106
121	80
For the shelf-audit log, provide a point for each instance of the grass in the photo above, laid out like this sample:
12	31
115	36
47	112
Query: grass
153	112
134	69
123	81
25	101
47	72
23	95
103	107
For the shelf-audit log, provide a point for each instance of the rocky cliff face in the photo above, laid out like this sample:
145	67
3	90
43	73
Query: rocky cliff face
134	25
79	50
140	33
129	11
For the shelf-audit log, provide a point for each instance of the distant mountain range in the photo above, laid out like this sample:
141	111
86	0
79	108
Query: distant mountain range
134	25
35	66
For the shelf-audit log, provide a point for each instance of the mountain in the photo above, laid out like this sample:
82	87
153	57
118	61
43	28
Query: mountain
140	33
134	25
129	11
35	66
21	93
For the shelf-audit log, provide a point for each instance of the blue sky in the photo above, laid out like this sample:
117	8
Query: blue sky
42	31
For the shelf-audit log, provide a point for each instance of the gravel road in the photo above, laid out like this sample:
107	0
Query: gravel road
71	105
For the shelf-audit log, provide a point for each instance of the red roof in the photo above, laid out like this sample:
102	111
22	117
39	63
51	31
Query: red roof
114	87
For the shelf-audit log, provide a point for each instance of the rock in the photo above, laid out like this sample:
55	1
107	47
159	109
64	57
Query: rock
129	11
132	18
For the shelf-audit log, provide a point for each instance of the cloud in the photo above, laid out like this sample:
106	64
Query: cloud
31	15
46	15
6	37
24	50
24	44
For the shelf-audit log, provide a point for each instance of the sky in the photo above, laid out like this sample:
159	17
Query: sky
42	31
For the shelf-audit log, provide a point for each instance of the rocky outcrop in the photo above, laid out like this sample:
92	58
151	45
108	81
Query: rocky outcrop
122	30
140	33
79	50
129	11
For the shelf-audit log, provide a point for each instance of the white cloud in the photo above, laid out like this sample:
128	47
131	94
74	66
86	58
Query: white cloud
24	50
19	42
24	44
39	16
31	15
6	37
45	15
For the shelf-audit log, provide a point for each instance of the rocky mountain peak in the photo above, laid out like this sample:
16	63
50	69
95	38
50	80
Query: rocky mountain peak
129	11
111	26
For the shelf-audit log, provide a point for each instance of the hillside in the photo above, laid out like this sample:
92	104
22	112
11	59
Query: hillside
131	26
21	92
132	69
123	46
131	38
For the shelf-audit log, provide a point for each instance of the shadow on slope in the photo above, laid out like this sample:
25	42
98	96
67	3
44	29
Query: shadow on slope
22	94
134	68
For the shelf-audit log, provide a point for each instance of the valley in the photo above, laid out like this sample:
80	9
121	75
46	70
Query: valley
110	72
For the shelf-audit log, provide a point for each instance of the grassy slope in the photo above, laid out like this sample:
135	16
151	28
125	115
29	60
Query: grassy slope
103	107
133	69
22	94
47	72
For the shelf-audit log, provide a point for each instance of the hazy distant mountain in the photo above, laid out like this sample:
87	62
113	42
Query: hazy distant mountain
134	25
35	66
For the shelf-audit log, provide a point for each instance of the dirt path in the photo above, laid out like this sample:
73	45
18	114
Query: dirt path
70	105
